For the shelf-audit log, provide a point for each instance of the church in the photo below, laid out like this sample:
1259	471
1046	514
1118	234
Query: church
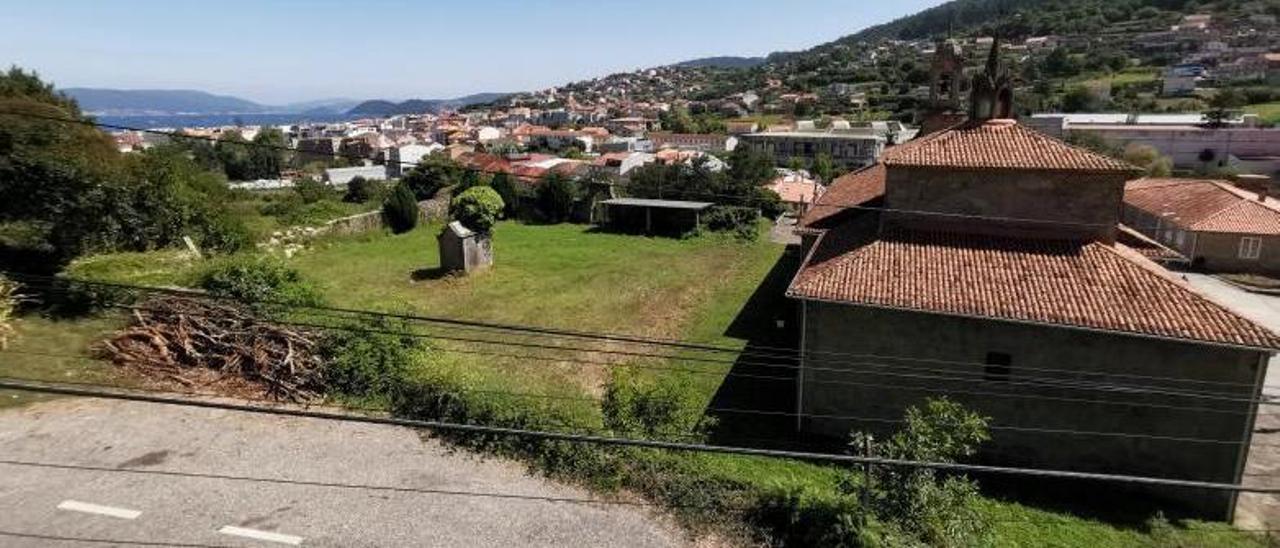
986	262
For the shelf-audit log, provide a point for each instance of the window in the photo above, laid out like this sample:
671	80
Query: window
1250	248
998	366
1181	237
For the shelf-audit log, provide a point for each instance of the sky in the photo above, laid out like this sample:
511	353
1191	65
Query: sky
281	51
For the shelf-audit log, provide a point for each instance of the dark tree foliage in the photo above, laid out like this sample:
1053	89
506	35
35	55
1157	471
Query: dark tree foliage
430	175
401	209
65	190
556	195
505	185
361	190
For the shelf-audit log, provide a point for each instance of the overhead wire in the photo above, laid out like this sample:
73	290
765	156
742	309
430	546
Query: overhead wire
54	388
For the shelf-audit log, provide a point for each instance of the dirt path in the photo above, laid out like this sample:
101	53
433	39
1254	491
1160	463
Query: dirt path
119	439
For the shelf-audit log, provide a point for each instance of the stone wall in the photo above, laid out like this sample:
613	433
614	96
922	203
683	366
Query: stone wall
843	377
435	209
1059	204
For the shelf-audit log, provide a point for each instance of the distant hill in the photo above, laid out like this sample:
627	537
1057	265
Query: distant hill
380	107
160	101
725	61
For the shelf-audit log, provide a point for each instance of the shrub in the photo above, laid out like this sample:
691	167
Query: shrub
312	191
468	180
743	222
401	210
258	279
361	190
365	360
656	410
477	208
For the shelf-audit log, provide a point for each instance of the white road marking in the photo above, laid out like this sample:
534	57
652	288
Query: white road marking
260	535
88	508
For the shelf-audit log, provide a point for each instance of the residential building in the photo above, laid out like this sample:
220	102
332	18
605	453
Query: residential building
705	142
797	189
996	273
847	150
1218	225
401	159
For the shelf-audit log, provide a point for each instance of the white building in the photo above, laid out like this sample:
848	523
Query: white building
343	175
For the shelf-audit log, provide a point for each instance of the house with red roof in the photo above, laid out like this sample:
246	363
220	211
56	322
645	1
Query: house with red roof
987	263
1218	225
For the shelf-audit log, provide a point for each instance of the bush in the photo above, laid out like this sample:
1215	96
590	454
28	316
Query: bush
654	411
401	210
361	190
364	360
258	279
477	208
743	222
312	191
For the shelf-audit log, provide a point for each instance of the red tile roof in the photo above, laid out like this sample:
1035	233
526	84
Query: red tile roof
997	144
796	189
851	189
1205	205
1055	282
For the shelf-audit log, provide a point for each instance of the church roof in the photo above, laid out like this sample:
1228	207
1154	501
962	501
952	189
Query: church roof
998	144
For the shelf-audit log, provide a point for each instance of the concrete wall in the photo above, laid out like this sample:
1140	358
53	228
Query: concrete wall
1184	145
1087	205
885	392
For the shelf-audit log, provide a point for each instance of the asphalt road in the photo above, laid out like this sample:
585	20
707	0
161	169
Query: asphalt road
120	505
1255	511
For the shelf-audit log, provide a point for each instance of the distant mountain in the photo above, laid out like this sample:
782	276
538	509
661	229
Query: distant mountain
379	107
321	106
124	102
725	61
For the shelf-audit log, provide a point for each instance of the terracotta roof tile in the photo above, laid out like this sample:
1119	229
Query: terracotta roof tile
1205	205
997	144
856	188
1056	282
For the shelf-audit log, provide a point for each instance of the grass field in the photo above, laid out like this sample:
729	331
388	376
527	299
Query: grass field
1268	112
707	289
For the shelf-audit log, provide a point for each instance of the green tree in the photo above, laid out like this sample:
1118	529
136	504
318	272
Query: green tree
267	157
432	174
401	209
361	190
477	208
1149	159
823	168
557	194
938	509
234	156
504	184
1223	105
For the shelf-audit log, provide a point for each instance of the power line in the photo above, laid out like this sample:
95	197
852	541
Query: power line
752	350
709	409
972	377
106	541
739	199
324	484
932	389
646	444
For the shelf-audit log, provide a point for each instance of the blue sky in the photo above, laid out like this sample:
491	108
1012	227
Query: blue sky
283	51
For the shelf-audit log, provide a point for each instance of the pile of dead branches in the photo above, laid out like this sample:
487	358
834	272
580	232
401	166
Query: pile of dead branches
198	343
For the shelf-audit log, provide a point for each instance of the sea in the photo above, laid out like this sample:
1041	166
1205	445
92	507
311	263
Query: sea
218	120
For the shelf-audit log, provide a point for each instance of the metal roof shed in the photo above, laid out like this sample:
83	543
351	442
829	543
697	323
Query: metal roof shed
674	216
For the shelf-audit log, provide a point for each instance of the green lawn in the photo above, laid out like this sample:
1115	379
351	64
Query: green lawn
1269	112
37	350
